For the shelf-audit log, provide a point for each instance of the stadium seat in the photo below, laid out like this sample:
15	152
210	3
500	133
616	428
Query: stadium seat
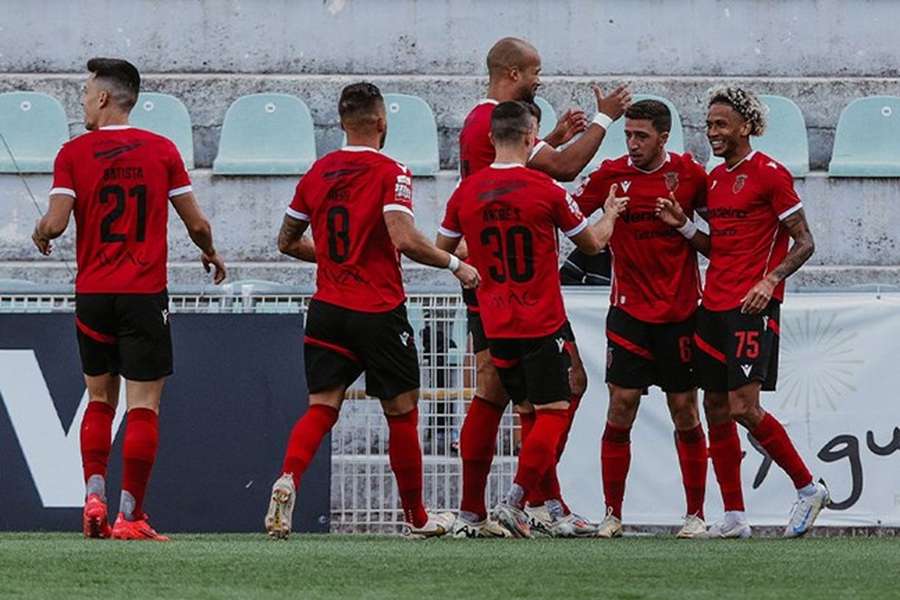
613	145
867	139
266	134
412	134
166	115
785	139
548	116
34	126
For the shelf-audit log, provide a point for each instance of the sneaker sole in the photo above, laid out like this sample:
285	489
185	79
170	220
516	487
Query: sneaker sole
93	528
275	523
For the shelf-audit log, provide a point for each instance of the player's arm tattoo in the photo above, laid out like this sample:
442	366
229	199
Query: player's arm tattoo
802	248
292	242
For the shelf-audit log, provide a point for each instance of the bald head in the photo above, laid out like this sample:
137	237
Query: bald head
510	53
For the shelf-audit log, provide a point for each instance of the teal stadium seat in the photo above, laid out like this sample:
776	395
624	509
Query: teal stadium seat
785	139
613	145
34	126
167	116
412	134
266	134
867	140
548	117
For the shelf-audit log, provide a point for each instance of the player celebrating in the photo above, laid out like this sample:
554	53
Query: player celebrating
359	203
510	215
655	292
752	211
119	181
514	68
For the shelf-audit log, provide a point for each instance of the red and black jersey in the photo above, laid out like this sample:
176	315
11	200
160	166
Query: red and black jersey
654	268
475	148
122	179
746	205
344	197
509	215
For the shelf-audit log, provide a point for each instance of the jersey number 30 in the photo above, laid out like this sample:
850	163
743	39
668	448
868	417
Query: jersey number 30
514	252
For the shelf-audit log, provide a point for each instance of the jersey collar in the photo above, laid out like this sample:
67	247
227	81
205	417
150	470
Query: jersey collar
488	101
360	149
113	127
497	165
662	164
740	162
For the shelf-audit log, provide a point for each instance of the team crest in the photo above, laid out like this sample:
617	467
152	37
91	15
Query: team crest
671	180
739	183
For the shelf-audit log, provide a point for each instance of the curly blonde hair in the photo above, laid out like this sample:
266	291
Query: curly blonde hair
746	103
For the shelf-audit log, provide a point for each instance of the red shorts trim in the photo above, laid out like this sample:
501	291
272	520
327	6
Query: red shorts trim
95	335
504	363
704	345
333	347
774	326
629	345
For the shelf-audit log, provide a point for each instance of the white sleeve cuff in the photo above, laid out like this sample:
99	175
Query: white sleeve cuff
62	191
179	191
449	232
577	229
398	208
537	148
790	211
296	214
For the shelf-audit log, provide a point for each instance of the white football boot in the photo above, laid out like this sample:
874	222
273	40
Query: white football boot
806	509
610	526
733	526
694	527
438	524
539	519
513	519
281	508
570	525
488	528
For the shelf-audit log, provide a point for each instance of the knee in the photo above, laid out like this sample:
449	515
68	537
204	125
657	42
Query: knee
623	406
488	385
578	380
685	414
716	408
745	411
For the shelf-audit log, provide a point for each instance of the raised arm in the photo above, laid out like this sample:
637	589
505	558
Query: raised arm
594	238
566	164
200	232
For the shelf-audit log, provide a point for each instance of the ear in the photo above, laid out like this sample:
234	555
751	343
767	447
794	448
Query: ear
381	124
513	73
664	137
103	99
491	137
746	129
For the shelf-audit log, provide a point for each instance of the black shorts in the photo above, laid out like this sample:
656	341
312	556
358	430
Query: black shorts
641	354
124	334
341	343
535	369
734	349
476	330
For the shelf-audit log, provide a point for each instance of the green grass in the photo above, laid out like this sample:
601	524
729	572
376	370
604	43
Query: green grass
338	566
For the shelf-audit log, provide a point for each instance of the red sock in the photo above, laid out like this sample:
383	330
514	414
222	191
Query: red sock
539	448
693	458
725	450
305	439
96	438
477	443
548	488
772	436
406	462
139	454
615	459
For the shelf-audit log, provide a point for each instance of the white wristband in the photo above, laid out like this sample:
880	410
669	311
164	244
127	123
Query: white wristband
603	120
688	230
454	263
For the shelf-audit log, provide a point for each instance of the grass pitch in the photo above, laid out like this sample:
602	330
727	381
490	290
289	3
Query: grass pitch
34	565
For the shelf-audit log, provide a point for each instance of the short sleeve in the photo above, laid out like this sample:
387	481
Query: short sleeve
784	198
179	181
591	193
63	174
699	204
450	226
298	208
567	215
398	193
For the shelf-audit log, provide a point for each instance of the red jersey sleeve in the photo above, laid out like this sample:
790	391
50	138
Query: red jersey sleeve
63	178
567	215
179	181
398	190
700	196
591	194
298	208
784	198
450	226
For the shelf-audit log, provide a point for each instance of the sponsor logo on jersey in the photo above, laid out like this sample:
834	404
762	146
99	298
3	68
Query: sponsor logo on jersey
739	183
117	150
625	185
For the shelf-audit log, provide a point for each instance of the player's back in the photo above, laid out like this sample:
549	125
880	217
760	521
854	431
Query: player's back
344	197
475	149
509	215
121	178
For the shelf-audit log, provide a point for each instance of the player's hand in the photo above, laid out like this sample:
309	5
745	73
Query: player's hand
214	260
462	250
757	299
615	206
668	210
43	244
468	276
571	123
615	103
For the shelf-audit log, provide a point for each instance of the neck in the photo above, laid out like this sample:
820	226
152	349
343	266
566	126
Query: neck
369	141
510	156
656	162
740	153
112	118
499	91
